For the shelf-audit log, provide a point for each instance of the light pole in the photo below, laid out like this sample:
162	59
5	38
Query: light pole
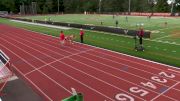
100	6
58	6
172	6
129	7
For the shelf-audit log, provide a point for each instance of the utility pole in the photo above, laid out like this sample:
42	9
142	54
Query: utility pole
58	6
129	11
100	6
172	7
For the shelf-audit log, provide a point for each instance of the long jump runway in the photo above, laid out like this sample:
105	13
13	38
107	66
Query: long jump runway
99	74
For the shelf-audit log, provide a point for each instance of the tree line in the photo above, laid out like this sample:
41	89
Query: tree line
102	6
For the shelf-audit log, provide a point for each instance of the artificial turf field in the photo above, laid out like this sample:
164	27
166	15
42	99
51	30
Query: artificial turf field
163	46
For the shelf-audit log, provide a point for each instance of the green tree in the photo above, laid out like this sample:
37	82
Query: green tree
162	6
177	6
91	5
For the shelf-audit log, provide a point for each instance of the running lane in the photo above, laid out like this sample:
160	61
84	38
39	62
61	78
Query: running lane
101	75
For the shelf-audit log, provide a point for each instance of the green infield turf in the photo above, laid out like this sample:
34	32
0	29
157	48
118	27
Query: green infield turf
164	52
160	32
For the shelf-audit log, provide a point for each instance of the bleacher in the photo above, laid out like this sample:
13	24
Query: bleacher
4	13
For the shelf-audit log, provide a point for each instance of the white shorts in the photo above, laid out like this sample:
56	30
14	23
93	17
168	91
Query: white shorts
62	41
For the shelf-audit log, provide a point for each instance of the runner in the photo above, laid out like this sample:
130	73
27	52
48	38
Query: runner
62	38
69	39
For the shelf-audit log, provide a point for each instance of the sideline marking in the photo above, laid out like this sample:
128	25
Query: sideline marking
44	25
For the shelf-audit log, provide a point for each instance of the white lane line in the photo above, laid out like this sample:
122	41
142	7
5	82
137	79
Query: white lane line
108	50
28	78
50	50
165	92
61	72
131	67
40	46
96	47
32	65
57	82
174	70
125	70
100	80
58	60
67	64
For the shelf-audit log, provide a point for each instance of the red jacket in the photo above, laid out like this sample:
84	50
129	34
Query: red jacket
141	33
81	32
62	37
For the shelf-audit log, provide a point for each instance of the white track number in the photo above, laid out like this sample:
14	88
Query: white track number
149	84
123	97
155	78
140	91
166	75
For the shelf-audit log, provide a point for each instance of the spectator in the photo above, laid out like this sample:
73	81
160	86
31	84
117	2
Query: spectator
116	23
81	35
141	34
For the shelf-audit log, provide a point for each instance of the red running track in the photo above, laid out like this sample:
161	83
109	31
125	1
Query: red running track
101	75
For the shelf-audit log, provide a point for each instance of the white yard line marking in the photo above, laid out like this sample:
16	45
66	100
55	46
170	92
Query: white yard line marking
165	36
165	49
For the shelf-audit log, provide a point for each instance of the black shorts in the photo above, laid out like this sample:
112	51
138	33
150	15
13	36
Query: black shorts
140	40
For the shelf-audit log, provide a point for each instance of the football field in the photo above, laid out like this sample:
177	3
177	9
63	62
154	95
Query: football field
160	31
